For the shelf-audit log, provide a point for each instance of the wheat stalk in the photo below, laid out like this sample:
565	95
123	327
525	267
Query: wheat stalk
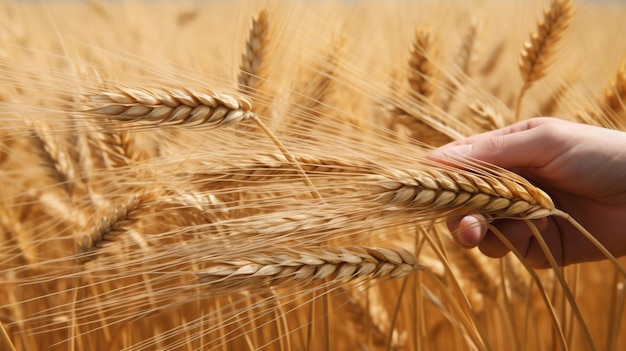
475	270
537	53
441	191
318	264
5	340
172	106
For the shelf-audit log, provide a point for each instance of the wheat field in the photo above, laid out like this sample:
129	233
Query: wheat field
247	175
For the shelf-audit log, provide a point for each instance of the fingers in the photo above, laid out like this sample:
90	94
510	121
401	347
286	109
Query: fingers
471	231
468	231
529	144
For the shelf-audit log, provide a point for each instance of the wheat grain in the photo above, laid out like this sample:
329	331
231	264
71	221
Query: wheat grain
440	191
170	107
336	264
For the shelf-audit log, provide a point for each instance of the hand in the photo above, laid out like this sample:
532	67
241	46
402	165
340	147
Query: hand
583	169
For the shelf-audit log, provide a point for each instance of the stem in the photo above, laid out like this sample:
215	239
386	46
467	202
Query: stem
542	290
591	238
478	336
559	274
5	340
518	103
396	312
614	326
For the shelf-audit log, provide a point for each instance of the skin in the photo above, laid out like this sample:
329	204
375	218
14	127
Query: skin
581	167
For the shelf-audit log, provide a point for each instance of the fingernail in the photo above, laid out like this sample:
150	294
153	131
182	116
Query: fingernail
459	150
456	151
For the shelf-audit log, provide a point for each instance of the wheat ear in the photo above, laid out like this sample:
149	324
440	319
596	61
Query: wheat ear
338	264
486	116
114	224
253	68
118	148
172	106
421	68
441	192
615	95
537	53
54	158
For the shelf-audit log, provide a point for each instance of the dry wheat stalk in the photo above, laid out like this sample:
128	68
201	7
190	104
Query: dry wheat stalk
421	68
441	191
537	53
360	316
253	68
172	106
317	264
474	269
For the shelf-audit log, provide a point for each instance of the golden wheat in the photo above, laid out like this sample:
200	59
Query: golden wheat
124	225
170	107
537	53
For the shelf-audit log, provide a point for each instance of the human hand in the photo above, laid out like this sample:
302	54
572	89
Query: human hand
582	168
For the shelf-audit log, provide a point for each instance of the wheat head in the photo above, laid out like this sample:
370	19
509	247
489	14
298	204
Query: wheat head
171	106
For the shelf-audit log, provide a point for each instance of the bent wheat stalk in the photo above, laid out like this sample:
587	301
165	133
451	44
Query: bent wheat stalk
346	263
